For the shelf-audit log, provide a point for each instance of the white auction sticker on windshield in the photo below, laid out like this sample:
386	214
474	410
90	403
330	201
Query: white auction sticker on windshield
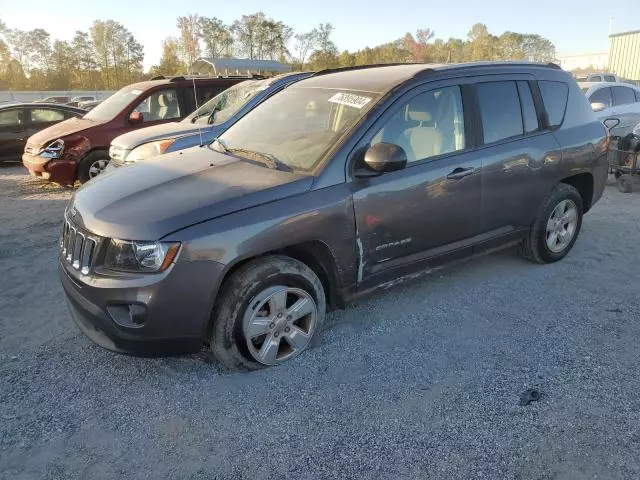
349	99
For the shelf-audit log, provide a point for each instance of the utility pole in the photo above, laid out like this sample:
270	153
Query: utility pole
610	23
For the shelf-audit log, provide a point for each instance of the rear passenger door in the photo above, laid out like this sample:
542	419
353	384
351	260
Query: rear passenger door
517	153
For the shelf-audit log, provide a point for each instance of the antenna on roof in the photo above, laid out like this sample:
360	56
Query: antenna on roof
195	98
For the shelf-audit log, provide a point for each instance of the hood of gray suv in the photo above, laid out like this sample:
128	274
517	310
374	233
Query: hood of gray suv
152	199
130	140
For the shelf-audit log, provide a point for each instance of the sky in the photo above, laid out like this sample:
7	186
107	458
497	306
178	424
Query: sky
573	26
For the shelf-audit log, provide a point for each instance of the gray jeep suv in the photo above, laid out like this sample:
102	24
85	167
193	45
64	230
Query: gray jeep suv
346	181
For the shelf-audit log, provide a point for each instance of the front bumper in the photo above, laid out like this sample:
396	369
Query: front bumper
55	170
177	305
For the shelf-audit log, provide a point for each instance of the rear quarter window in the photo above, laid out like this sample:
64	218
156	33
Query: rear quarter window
554	97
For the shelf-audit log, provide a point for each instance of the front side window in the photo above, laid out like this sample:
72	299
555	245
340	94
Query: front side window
298	126
609	78
43	115
602	95
11	118
596	78
428	125
160	105
500	110
554	97
623	95
223	106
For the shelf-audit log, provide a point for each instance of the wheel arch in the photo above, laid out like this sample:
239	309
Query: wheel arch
315	254
584	183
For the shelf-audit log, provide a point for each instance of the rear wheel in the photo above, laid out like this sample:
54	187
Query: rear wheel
92	165
556	227
269	311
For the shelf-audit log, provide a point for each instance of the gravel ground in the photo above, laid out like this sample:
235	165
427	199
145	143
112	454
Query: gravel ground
421	381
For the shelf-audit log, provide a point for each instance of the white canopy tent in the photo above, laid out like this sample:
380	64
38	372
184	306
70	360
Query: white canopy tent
236	66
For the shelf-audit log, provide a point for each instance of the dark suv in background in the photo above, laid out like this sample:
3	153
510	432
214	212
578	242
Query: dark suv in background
343	182
78	149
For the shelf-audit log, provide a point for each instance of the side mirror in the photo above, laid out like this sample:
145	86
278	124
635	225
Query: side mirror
611	123
135	118
598	106
385	157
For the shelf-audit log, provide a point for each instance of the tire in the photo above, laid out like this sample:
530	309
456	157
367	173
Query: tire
243	305
87	165
536	247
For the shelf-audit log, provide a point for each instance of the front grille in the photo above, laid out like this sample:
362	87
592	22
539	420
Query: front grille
78	247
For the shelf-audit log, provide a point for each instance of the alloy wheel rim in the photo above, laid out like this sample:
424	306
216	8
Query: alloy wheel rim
562	225
279	324
97	167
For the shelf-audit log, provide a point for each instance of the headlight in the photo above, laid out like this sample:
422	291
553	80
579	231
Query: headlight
133	256
147	150
118	154
54	150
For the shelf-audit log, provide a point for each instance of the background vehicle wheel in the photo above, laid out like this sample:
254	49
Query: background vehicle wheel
268	312
556	227
92	165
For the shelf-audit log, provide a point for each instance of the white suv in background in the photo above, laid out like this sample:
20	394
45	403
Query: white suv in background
616	100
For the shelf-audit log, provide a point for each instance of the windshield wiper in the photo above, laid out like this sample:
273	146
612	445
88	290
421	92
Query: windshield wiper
268	159
205	114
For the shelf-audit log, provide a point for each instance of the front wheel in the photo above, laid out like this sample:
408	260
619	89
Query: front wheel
270	310
92	165
556	228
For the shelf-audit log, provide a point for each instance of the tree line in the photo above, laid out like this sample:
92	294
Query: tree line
108	56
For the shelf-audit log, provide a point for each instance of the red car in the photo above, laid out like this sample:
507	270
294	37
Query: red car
78	148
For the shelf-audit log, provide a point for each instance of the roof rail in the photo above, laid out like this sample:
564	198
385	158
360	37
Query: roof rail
361	67
507	63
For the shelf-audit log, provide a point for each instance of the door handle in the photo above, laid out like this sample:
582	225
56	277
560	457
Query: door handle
460	172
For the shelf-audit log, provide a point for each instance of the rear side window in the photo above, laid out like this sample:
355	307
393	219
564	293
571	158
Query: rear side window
499	104
623	95
43	115
529	115
206	93
602	95
637	95
554	97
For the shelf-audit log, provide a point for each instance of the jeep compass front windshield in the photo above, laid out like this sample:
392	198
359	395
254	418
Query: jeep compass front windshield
298	125
224	105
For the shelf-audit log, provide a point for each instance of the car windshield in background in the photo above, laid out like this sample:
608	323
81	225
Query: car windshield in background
113	105
299	125
224	105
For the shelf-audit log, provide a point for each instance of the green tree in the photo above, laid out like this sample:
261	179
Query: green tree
216	36
305	44
170	63
63	64
189	27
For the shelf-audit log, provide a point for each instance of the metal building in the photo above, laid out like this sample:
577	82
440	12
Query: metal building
624	54
236	66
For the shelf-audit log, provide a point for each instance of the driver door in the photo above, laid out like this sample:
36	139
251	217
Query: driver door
431	208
